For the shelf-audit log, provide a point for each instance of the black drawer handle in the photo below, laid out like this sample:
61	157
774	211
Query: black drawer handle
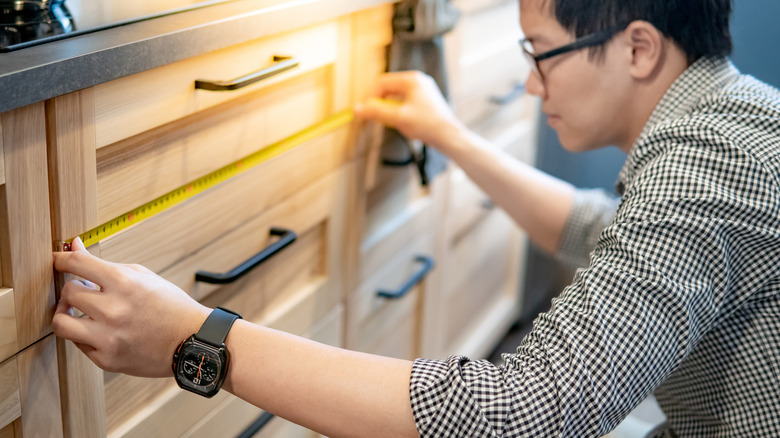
286	237
281	64
517	90
255	427
427	265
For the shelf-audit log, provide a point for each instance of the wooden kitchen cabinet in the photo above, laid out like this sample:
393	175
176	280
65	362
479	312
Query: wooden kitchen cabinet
362	230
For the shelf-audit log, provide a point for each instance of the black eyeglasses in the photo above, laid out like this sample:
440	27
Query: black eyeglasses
590	40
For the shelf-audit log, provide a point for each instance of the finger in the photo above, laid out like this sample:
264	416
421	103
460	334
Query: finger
382	110
396	83
83	264
78	330
77	244
89	300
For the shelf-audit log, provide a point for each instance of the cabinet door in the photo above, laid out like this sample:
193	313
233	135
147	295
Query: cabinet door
30	398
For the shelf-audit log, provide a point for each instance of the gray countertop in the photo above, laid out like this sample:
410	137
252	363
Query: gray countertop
41	72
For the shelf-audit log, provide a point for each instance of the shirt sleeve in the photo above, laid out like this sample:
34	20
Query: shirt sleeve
592	211
655	284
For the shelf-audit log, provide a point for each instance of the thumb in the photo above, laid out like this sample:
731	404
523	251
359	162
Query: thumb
77	245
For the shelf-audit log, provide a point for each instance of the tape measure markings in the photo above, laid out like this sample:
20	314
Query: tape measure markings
210	180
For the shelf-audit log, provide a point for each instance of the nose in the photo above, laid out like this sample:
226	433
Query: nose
534	84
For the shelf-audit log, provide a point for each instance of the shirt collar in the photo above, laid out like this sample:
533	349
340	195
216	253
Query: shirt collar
686	91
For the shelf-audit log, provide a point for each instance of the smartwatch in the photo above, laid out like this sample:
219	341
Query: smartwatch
200	363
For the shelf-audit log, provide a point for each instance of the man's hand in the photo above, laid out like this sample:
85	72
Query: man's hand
410	102
133	319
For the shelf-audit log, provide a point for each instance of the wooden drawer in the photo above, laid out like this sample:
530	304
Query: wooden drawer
481	283
29	392
138	103
179	232
393	255
218	230
390	326
486	63
393	199
8	341
234	415
142	168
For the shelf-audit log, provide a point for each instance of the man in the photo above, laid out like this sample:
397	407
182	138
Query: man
681	294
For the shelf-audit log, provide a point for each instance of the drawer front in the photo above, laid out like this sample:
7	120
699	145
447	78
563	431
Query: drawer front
8	342
392	326
144	167
482	272
234	415
138	103
395	196
29	392
172	235
292	291
486	62
10	403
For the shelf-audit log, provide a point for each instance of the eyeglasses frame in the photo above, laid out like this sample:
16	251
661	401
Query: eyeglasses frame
590	40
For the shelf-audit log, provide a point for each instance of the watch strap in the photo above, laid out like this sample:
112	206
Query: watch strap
216	327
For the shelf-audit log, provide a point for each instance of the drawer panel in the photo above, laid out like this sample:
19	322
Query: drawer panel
138	103
178	232
234	415
141	168
8	341
390	326
482	272
10	402
291	291
396	195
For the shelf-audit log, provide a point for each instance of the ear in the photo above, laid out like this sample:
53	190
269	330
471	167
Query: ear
647	49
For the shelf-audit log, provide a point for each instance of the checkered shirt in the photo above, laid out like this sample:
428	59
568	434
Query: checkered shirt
681	295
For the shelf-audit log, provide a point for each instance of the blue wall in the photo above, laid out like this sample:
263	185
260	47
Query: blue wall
755	28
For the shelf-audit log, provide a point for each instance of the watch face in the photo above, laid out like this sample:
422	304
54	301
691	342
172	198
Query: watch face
200	367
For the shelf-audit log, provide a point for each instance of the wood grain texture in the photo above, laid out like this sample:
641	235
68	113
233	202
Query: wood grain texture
8	344
137	103
39	390
25	228
7	431
177	232
83	399
141	168
2	168
70	131
10	403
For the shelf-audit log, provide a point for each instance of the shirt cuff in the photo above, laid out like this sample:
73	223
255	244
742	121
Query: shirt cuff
592	211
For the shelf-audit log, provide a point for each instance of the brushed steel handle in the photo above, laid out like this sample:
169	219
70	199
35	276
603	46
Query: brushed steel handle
427	265
281	64
286	237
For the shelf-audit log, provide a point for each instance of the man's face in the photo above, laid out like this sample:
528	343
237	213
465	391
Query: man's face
584	97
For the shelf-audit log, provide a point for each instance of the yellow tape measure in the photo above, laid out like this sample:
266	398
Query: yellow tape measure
203	183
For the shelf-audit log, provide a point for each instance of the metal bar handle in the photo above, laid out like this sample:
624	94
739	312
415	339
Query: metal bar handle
427	265
517	90
281	64
258	425
286	237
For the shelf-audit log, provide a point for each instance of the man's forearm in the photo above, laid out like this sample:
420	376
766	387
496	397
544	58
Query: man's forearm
539	203
335	392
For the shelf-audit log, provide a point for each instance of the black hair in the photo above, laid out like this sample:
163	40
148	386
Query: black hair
698	27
